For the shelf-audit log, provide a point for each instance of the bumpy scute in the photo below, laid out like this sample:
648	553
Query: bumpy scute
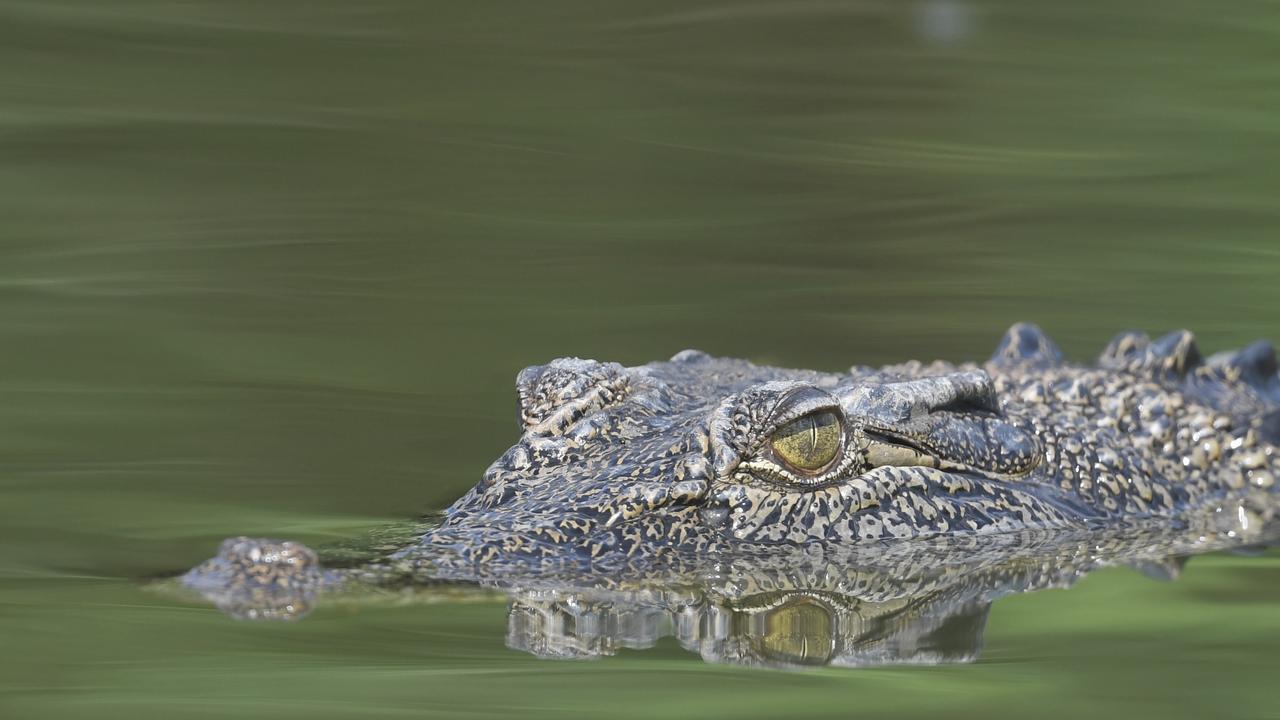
1026	347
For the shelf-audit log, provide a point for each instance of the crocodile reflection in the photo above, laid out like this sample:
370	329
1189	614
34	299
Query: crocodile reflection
915	605
778	629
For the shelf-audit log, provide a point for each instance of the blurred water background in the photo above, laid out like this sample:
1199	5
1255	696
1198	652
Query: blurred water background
271	267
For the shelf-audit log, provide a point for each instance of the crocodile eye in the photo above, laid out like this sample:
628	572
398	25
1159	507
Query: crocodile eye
810	443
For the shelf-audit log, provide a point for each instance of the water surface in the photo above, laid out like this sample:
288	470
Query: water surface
270	269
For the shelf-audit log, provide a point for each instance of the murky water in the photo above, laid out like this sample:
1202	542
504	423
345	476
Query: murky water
270	268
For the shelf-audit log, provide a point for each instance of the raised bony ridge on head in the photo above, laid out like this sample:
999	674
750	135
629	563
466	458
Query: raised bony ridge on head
1170	357
950	421
1026	346
1240	383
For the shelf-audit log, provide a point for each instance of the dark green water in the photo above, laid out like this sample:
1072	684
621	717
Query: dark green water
270	268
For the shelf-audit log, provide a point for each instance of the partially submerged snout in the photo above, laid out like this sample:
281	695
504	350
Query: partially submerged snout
259	579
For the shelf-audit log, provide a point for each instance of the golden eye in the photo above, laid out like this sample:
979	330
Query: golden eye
809	443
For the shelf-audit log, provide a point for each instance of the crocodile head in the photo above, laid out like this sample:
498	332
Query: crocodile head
701	454
707	463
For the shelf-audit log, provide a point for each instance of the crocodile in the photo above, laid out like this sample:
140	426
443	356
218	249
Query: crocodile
638	471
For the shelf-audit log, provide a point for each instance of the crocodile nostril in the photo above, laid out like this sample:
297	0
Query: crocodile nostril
552	398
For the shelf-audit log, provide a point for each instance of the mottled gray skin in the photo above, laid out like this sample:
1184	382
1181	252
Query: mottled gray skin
622	462
622	468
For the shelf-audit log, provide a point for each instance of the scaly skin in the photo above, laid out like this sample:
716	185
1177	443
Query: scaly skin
621	469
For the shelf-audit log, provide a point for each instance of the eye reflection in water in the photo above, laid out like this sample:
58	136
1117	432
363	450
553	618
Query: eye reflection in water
777	628
799	631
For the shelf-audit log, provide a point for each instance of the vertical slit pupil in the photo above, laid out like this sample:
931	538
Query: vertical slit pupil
809	442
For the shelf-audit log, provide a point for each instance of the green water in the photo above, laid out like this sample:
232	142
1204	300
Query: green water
270	268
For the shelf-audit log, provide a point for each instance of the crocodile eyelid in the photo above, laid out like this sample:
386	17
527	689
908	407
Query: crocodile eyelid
801	401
